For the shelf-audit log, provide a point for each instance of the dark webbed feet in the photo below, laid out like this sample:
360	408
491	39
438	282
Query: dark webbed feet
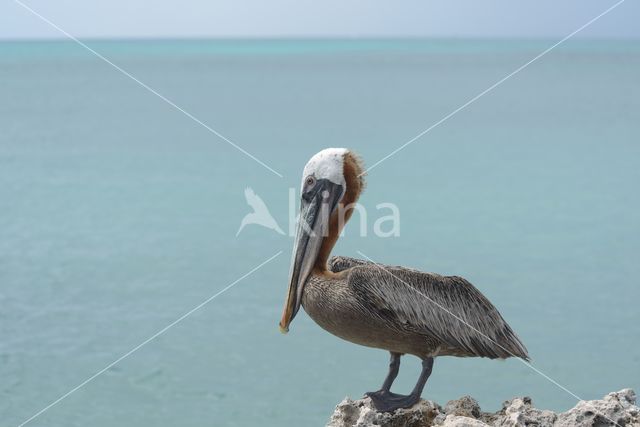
381	394
389	402
386	401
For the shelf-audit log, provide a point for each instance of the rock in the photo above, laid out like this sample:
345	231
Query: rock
460	421
466	406
615	408
361	413
618	407
519	412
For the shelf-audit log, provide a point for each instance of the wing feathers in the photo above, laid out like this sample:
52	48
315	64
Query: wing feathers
446	308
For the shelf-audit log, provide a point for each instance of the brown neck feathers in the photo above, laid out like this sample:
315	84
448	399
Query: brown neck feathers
355	185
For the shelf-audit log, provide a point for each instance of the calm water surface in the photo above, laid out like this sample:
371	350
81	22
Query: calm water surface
118	214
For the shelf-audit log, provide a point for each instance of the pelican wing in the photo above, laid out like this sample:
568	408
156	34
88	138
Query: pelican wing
340	263
446	308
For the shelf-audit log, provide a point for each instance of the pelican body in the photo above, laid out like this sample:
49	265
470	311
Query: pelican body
398	309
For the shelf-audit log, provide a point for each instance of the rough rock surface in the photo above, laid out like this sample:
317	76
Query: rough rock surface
616	408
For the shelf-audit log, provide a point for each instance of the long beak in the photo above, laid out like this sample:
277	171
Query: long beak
313	226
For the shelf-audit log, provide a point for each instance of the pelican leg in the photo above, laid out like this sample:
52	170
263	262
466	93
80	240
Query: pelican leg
389	402
394	367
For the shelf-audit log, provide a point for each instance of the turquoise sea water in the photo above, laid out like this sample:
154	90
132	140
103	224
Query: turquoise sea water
118	214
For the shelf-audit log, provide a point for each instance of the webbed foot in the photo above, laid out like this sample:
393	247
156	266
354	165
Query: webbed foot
385	401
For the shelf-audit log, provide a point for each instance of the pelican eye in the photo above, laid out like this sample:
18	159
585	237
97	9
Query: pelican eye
310	181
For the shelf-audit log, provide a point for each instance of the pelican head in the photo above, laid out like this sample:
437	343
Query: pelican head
331	183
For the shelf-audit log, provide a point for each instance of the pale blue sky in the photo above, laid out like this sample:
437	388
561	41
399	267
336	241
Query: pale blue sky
320	18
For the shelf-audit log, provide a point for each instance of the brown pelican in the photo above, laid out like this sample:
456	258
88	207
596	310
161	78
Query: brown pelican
398	309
